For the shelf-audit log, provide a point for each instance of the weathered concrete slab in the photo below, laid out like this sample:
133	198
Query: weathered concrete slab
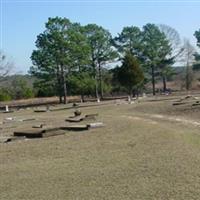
41	110
75	119
75	127
92	115
38	126
179	103
39	133
81	118
196	104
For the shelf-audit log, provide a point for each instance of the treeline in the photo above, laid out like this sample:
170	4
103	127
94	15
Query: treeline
16	87
86	60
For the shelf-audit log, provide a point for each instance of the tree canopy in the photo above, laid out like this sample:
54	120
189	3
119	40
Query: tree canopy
197	55
73	58
130	74
58	53
156	47
101	52
130	39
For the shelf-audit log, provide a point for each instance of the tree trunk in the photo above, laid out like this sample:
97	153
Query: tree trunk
82	98
164	84
96	79
187	77
59	88
153	79
96	88
131	92
100	81
130	95
137	93
96	84
64	86
60	98
65	91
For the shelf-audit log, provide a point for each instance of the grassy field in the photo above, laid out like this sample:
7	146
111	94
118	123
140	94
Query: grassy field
135	156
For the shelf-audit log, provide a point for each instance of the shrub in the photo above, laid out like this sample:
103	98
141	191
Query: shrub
4	95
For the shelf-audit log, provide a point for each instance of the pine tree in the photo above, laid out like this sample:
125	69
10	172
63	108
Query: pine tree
130	74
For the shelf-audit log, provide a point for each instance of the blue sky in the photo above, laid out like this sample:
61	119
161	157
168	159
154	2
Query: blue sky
23	20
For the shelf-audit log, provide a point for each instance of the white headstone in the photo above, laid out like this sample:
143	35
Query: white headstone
129	99
7	109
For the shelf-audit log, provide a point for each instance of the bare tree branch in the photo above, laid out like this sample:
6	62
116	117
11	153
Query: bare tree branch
174	40
6	66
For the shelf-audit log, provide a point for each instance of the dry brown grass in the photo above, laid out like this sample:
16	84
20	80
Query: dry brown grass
132	157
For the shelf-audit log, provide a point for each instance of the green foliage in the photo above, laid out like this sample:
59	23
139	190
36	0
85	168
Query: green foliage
130	39
156	48
100	42
101	52
82	83
168	72
130	75
5	95
197	35
20	89
77	57
196	65
44	89
155	45
117	87
107	81
150	46
107	87
60	48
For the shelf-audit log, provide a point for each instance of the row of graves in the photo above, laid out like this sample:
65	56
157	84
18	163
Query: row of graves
77	122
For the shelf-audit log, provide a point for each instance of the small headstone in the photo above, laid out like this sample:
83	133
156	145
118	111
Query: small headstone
129	99
77	112
96	125
9	118
7	109
38	126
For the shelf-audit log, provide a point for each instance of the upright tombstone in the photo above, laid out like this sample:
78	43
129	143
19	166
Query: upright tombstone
129	99
7	109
